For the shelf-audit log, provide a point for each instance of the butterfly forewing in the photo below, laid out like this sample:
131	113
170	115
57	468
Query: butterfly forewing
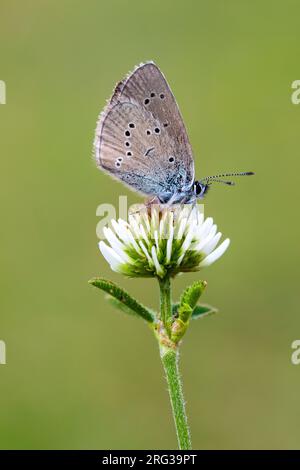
141	138
148	87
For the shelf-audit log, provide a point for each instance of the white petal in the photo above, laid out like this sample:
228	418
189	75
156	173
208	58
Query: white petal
143	233
187	242
192	216
156	239
211	245
145	218
189	236
111	256
205	228
154	218
125	234
169	244
116	245
134	227
133	242
120	230
215	254
163	225
187	210
207	239
181	229
158	267
146	253
200	217
180	258
179	215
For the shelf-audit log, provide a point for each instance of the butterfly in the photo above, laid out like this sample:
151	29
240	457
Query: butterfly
141	140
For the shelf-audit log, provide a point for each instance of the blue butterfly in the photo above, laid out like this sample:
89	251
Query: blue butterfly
141	140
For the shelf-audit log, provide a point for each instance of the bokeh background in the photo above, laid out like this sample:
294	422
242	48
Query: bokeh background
80	375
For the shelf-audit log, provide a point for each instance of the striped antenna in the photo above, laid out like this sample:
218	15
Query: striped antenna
216	178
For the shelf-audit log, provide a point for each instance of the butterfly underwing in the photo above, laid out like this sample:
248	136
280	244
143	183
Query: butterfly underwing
141	139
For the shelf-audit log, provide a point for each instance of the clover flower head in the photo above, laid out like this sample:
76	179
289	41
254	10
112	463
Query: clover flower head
159	242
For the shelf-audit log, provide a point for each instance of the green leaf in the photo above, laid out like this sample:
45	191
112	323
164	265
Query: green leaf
203	310
122	299
184	312
189	299
184	309
192	294
124	308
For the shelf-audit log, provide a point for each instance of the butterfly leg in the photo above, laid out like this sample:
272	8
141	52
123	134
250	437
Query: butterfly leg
152	201
180	199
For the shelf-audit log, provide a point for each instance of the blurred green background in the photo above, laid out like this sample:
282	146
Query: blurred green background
79	374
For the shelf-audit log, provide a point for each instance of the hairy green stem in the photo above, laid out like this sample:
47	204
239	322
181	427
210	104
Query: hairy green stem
169	356
165	301
169	359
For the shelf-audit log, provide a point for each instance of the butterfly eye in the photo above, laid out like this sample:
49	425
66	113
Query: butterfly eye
146	101
148	132
161	96
152	95
129	154
127	133
131	125
171	159
157	130
198	188
166	124
127	143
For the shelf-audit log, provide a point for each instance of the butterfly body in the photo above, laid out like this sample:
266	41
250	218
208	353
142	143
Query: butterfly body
141	139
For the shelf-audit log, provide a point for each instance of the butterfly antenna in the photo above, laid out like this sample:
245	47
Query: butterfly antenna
216	178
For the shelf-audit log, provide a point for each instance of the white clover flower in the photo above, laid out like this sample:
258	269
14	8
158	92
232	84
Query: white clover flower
162	242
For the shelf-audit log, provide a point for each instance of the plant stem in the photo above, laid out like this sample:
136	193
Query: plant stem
169	359
169	356
165	301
